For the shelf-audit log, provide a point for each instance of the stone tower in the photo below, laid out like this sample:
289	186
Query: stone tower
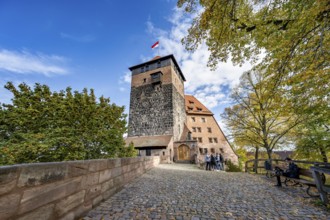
157	104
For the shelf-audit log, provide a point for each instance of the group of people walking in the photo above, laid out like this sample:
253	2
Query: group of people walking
214	162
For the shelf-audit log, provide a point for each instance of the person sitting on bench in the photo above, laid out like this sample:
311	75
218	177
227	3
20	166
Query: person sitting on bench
292	171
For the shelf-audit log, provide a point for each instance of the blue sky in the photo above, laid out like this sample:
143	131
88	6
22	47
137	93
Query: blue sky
91	44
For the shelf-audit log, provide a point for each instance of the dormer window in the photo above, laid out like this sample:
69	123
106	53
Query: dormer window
199	109
191	102
190	108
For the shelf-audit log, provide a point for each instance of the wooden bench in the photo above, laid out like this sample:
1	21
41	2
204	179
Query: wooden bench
305	178
318	171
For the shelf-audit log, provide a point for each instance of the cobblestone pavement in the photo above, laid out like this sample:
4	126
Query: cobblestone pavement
182	191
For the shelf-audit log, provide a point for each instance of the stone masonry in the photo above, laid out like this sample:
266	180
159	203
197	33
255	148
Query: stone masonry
64	190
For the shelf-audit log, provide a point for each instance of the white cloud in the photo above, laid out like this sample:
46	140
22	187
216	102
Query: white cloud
126	78
24	62
210	87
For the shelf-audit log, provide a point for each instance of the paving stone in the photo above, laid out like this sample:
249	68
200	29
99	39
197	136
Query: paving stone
182	191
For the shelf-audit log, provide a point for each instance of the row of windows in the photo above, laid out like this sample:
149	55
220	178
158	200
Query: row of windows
211	139
195	129
146	67
194	119
198	109
199	129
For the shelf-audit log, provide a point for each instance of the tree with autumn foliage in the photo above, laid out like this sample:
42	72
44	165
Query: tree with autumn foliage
292	37
43	126
261	116
288	40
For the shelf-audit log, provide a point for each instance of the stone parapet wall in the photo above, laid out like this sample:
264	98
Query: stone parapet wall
64	190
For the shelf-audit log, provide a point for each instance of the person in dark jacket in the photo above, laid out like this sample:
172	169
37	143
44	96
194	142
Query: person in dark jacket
213	163
208	162
292	171
222	167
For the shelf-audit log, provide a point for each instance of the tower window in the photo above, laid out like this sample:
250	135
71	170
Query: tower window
142	69
203	120
194	129
209	130
144	80
199	129
193	119
156	77
200	140
147	68
158	64
215	140
210	140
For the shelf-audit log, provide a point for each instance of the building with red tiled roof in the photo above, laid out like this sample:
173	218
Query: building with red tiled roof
206	130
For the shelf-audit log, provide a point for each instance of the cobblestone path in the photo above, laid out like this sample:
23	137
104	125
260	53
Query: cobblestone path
182	191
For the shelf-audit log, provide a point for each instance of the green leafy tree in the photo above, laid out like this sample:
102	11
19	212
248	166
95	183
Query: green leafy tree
312	142
294	33
44	126
128	151
292	38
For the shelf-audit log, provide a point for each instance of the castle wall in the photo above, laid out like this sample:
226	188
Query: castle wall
64	190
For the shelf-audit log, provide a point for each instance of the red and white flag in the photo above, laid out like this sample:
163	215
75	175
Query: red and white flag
155	45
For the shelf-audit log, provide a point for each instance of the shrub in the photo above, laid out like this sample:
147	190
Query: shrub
232	167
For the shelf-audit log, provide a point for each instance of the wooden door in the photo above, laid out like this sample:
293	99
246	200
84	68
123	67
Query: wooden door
184	152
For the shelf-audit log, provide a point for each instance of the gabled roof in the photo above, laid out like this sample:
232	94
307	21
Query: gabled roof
193	106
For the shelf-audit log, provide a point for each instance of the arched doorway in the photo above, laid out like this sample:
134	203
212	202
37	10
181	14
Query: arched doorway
184	152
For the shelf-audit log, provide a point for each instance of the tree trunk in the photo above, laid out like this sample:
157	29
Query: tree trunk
323	154
256	157
269	153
